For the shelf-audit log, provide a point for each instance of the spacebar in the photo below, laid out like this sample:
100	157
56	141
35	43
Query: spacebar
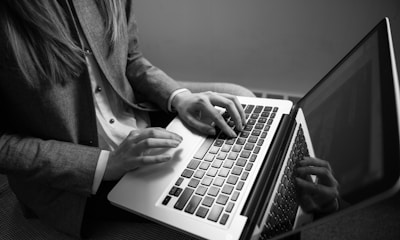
204	148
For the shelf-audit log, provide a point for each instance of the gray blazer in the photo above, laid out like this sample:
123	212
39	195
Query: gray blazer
48	135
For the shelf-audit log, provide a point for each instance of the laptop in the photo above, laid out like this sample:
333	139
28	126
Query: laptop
217	187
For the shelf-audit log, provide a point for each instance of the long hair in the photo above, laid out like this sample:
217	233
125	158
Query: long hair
39	36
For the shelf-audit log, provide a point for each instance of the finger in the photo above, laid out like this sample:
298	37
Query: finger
209	111
309	161
324	175
149	160
238	107
211	114
317	190
160	133
225	101
150	143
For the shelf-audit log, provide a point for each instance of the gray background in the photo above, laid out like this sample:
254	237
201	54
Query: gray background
282	46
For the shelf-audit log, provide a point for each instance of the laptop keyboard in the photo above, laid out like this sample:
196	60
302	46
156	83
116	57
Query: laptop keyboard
211	184
284	207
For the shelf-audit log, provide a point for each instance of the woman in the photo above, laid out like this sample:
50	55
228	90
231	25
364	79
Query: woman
74	88
77	96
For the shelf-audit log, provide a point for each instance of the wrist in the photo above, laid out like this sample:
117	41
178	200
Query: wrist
176	98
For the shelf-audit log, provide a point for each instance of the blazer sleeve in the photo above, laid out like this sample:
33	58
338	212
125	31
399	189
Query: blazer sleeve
57	164
148	82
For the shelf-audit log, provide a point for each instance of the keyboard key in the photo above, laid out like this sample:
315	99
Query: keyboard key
253	157
259	126
244	176
235	196
187	173
207	181
233	155
192	205
229	207
248	167
264	134
245	154
224	219
213	191
208	201
241	141
249	146
253	139
202	212
166	200
251	121
268	108
262	119
215	213
221	156
204	165
223	172
209	157
212	172
193	164
217	164
201	190
237	148
237	170
240	185
222	199
265	114
258	109
184	198
226	148
194	183
214	150
228	164
249	109
175	191
219	182
227	189
204	148
241	162
218	142
179	181
199	174
232	179
256	133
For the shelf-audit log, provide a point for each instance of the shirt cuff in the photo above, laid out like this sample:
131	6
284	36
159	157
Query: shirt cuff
100	169
171	97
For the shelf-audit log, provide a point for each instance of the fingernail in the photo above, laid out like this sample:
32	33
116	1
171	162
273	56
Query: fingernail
211	131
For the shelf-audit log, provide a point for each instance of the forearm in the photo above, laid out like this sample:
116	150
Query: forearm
150	83
56	164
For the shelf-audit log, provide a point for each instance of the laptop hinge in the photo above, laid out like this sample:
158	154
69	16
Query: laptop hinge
262	189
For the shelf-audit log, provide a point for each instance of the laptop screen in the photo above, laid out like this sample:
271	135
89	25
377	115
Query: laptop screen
352	116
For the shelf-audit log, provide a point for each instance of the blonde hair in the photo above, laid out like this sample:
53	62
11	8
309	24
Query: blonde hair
39	36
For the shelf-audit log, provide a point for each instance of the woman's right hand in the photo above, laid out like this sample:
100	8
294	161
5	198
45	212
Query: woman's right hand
130	154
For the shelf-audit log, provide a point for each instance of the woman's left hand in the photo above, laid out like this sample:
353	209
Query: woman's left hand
198	111
320	196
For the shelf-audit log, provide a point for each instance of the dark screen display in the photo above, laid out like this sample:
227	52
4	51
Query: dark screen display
343	115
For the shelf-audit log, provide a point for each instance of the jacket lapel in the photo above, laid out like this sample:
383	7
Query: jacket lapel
113	65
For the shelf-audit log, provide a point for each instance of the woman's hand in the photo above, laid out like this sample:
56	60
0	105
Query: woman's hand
130	154
320	196
198	111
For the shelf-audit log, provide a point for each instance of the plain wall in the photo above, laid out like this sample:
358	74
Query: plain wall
276	46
